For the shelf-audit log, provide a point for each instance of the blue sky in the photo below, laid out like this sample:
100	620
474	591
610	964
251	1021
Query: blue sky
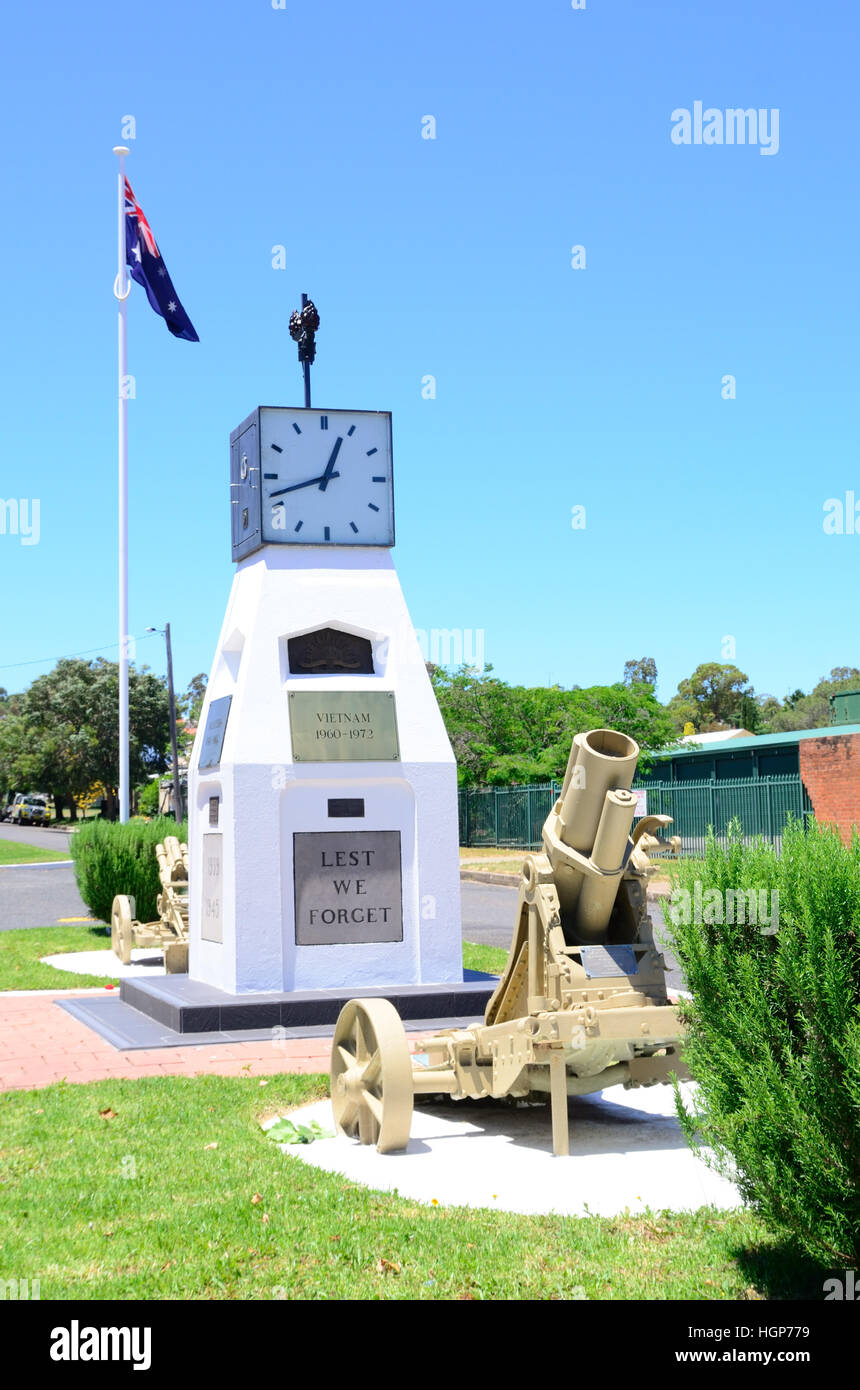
600	387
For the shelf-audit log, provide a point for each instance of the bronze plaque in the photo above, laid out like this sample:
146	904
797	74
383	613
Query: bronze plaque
343	726
347	887
329	652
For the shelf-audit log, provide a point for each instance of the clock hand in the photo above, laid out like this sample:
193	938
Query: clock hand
330	465
296	486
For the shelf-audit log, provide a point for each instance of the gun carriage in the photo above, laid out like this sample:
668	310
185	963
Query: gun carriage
170	933
582	1003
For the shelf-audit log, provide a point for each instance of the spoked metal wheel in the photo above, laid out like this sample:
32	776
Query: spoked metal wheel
121	917
371	1075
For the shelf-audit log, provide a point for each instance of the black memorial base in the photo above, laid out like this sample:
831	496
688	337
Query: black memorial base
187	1006
172	1010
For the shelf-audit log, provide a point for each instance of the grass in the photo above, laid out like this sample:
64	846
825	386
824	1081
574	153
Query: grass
13	853
490	959
166	1188
21	968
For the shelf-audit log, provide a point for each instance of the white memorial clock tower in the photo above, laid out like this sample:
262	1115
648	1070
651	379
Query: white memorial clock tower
322	787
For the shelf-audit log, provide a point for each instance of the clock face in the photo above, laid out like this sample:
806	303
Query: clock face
326	477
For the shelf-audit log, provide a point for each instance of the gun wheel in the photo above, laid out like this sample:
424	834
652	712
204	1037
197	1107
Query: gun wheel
371	1075
121	928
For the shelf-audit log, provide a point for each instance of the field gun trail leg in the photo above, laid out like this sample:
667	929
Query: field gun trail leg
558	1100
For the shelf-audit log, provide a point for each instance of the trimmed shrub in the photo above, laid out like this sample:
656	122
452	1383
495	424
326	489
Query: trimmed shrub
774	1029
112	858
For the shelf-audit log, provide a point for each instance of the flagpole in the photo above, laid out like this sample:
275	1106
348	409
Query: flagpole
121	290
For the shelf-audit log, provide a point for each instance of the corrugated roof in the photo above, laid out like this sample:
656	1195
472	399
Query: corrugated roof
758	741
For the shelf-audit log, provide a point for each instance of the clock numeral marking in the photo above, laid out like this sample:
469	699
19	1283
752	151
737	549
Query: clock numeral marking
351	429
297	428
299	525
379	480
270	475
373	507
372	451
327	533
323	422
277	448
354	527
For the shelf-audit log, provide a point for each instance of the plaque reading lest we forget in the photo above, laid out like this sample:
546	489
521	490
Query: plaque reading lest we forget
343	726
216	728
347	887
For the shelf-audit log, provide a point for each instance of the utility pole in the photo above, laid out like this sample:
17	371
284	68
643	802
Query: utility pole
174	744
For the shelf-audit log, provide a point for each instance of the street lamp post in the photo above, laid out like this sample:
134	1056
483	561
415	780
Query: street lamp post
174	745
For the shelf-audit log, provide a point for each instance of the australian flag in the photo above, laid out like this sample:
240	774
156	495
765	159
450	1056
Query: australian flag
148	269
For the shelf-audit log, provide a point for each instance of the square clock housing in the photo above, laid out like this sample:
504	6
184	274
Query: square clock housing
311	477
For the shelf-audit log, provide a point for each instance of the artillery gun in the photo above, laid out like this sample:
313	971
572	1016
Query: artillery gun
170	933
582	1003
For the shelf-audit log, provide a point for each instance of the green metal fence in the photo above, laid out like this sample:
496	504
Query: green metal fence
512	817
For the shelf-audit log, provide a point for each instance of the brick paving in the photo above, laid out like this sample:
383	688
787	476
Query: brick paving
41	1043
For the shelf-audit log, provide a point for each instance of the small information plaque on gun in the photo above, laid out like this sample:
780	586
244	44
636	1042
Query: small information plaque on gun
598	961
343	726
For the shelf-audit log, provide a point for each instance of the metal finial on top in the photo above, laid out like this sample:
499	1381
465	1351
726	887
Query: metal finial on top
304	323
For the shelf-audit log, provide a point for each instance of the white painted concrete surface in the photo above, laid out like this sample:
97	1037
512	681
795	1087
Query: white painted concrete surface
105	963
627	1153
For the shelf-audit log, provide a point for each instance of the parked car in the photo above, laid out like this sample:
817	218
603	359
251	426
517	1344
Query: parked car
32	810
9	812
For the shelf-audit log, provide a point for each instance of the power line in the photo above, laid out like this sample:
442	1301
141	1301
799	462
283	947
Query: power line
70	656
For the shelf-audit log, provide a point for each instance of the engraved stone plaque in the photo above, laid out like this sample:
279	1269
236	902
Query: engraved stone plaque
343	726
216	727
347	887
212	927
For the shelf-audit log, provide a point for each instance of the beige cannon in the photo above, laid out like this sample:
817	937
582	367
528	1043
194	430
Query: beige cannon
170	933
582	1002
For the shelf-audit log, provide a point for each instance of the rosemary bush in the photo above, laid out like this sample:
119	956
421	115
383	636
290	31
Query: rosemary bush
111	858
774	1030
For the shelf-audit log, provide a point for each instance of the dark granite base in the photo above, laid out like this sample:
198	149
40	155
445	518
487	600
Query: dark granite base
129	1030
186	1006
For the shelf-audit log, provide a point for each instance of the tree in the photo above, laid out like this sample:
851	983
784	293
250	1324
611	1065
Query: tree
192	700
712	698
641	672
64	737
813	711
503	734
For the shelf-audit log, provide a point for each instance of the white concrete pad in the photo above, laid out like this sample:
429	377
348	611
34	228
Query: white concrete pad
144	961
627	1153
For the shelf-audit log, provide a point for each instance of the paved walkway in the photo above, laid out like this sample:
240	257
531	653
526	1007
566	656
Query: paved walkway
41	1043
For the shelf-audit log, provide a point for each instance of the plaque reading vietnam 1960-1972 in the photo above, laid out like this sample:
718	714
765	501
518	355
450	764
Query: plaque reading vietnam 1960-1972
348	887
343	726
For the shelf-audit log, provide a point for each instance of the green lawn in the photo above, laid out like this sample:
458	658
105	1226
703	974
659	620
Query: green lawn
490	959
13	853
20	966
166	1188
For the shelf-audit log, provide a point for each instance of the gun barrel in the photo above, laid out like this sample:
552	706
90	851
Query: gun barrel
601	760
